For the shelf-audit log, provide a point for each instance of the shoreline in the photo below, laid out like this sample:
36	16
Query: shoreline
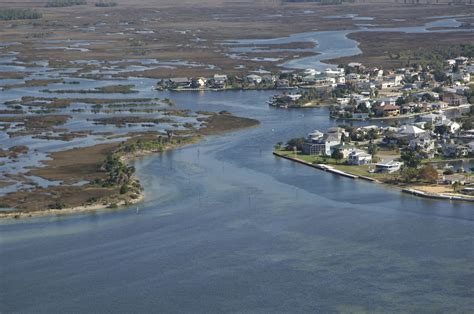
211	129
408	190
400	117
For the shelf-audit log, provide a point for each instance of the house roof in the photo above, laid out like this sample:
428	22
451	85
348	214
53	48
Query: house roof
411	129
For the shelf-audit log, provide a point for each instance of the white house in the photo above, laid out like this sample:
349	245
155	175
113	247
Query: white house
220	80
359	157
411	131
254	79
388	167
452	126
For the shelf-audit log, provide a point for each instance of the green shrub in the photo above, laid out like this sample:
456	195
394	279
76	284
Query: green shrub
124	189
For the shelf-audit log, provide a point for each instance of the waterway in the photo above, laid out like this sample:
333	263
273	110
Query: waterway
226	226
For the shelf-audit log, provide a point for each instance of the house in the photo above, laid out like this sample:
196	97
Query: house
198	82
388	167
432	118
315	135
283	84
387	110
322	145
253	79
180	82
422	143
454	150
220	80
269	79
460	76
359	157
411	131
461	60
454	99
451	126
343	148
334	72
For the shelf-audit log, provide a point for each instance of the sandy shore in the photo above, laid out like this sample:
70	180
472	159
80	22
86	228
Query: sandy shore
67	211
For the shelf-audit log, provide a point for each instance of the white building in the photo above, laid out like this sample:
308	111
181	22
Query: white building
388	167
359	157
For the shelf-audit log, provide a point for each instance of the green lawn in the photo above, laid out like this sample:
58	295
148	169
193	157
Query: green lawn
339	165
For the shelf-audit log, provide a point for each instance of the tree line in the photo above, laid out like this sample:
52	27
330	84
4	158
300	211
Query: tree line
64	3
7	14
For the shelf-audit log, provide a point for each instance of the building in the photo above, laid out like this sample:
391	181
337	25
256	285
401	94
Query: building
454	99
451	126
180	82
253	79
220	80
322	145
388	167
387	110
198	82
283	84
411	131
359	157
454	150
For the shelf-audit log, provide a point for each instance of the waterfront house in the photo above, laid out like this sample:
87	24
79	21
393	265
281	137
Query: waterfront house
454	150
180	82
269	79
388	167
253	79
198	82
219	80
322	145
283	84
359	157
343	148
387	110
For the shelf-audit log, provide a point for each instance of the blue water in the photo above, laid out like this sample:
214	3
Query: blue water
335	44
228	227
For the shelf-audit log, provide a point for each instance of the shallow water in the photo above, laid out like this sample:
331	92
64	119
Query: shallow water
228	227
336	44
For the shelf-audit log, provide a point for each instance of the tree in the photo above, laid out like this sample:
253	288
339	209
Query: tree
427	97
337	154
409	174
372	149
124	189
429	173
411	159
400	101
296	142
441	129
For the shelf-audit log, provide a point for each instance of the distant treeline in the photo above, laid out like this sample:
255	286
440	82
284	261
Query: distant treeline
64	3
105	3
19	14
